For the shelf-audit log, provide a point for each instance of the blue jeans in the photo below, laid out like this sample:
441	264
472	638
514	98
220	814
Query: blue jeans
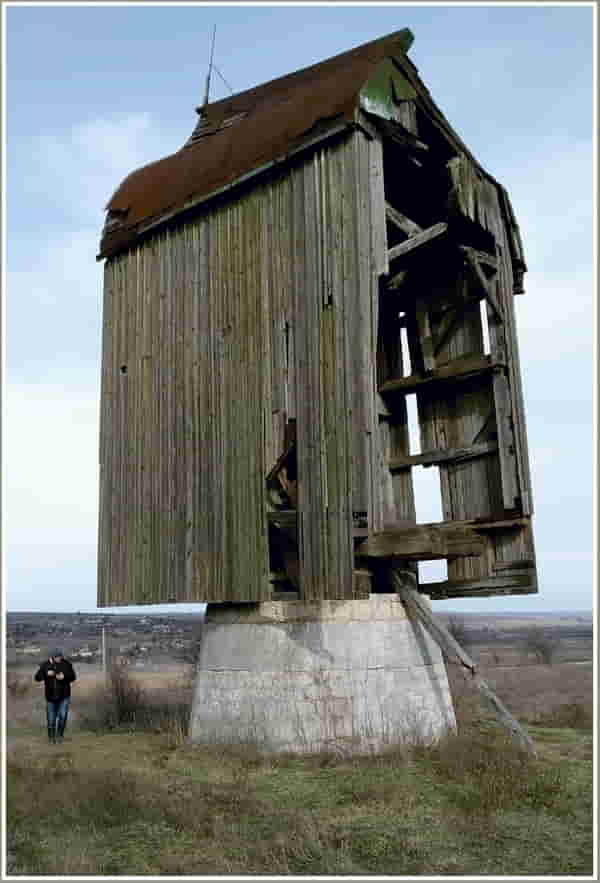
56	713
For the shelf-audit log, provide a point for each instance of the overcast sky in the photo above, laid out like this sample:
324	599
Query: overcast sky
92	93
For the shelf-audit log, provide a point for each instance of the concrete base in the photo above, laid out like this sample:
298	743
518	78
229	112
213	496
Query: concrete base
348	676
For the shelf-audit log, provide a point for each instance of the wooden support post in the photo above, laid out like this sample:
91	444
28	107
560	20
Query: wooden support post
405	585
104	656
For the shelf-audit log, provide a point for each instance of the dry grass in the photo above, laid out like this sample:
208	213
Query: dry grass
548	695
132	798
17	685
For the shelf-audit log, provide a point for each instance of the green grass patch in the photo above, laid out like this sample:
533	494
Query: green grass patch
134	804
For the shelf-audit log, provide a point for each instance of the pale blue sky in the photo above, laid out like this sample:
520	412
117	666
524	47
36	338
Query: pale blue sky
94	92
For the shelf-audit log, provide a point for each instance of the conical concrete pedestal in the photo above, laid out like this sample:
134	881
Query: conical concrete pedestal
346	676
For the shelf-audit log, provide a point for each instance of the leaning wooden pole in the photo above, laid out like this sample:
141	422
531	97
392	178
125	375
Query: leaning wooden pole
404	582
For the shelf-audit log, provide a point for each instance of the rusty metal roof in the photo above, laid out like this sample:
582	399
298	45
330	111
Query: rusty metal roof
240	134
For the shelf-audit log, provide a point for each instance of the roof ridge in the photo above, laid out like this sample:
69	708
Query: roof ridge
404	37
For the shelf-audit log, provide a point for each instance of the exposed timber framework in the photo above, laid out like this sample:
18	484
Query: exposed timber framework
322	248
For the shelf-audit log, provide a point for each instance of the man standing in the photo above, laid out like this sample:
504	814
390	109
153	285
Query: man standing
57	673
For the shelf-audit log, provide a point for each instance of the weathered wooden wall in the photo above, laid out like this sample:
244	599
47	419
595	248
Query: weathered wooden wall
273	307
215	334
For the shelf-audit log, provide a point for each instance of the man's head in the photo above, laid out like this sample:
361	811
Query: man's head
57	655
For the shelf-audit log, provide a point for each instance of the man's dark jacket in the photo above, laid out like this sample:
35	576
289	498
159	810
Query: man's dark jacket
56	689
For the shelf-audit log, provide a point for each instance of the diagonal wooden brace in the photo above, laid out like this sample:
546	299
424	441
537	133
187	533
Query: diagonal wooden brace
404	583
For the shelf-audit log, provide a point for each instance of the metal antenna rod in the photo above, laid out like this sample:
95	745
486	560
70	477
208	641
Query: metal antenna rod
212	52
217	71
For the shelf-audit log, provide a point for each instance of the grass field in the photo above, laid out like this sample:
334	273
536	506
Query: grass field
134	799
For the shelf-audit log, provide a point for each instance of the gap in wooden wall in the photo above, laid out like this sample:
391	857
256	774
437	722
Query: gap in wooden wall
485	327
406	364
432	572
428	494
414	435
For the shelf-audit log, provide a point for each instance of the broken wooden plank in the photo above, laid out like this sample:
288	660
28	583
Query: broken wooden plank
401	221
428	235
449	455
456	370
405	585
423	543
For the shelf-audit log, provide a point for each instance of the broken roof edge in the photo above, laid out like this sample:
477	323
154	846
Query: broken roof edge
131	236
357	68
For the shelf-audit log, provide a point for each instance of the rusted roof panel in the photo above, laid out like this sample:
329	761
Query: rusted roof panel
243	133
277	116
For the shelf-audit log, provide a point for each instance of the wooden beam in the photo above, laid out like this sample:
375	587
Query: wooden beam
423	543
396	281
425	335
484	284
486	525
405	224
447	455
417	609
524	564
515	582
449	322
402	136
485	258
428	235
456	370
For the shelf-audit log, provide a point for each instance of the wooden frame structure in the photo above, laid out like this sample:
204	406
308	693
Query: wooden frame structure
254	423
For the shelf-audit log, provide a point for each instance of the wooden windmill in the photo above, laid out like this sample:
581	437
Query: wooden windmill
322	247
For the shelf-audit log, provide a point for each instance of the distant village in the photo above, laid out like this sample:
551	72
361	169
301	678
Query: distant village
146	641
132	639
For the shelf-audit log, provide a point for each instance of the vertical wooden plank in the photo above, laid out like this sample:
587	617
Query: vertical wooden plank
357	297
342	405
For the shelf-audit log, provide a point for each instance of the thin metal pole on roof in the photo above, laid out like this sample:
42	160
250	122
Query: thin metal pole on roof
212	52
217	71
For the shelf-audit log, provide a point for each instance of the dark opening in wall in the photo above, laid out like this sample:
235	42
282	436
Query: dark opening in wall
420	193
123	369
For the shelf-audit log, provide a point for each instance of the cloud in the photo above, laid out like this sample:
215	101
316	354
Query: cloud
68	177
54	290
53	307
51	485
